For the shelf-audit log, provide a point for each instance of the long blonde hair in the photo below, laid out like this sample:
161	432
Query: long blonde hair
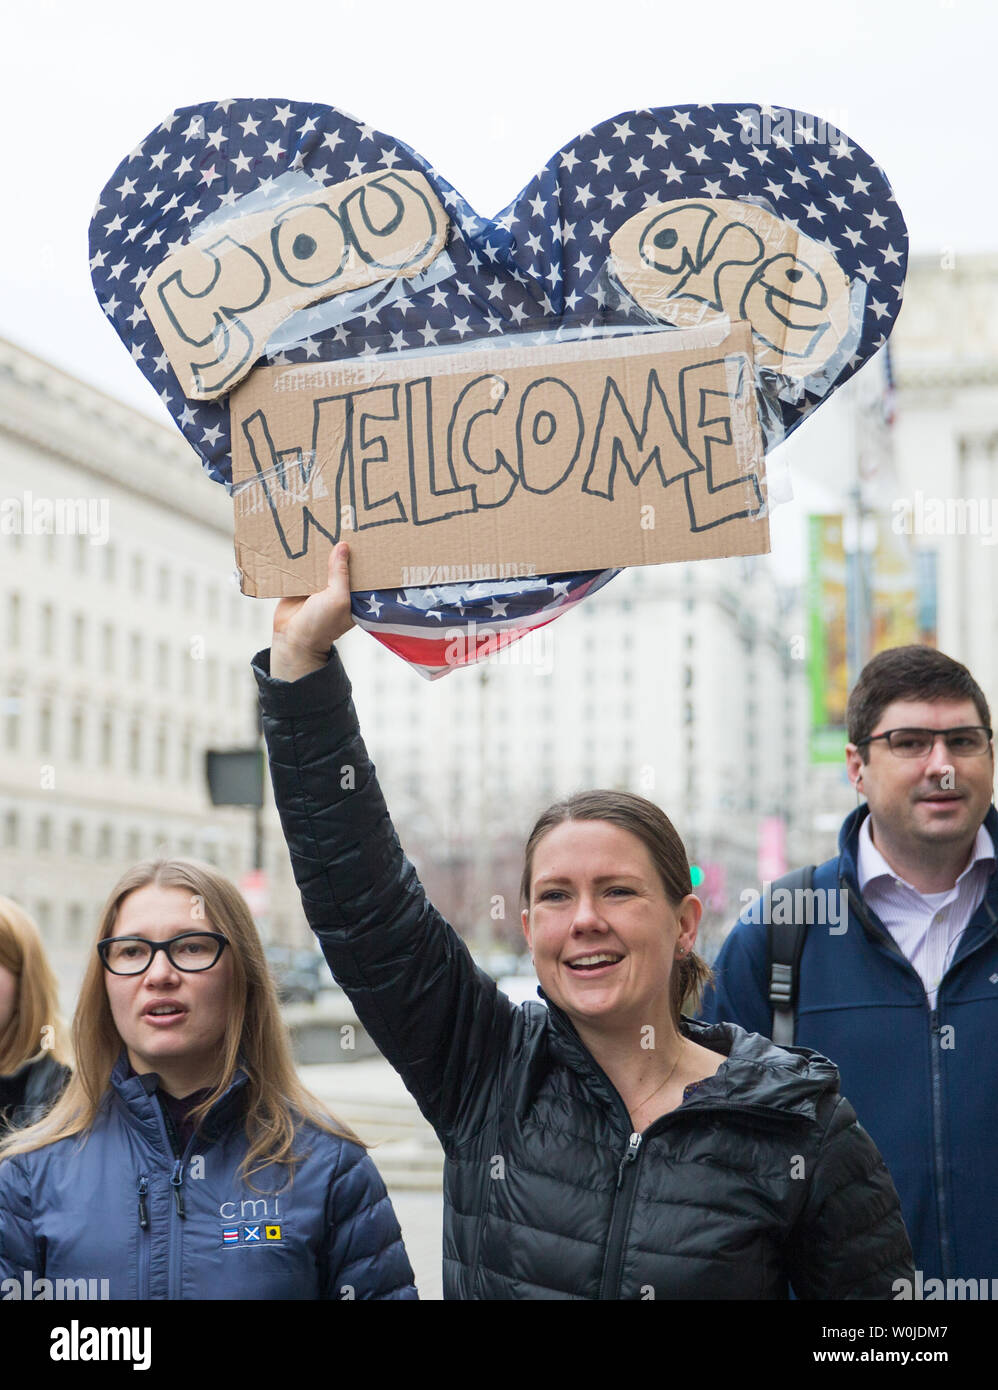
36	1027
255	1036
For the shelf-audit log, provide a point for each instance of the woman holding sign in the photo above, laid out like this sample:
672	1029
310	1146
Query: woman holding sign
603	1147
185	1159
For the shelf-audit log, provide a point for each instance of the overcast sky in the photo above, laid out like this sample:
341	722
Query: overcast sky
487	92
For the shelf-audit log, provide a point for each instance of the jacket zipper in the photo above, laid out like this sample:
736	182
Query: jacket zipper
620	1218
179	1211
177	1182
144	1246
143	1205
938	1158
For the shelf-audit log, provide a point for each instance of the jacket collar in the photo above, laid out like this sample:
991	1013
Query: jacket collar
137	1096
987	912
756	1075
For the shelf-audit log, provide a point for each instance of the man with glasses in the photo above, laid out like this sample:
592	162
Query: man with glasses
894	967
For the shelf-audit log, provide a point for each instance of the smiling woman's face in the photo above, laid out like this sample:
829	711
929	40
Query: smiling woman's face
171	1021
600	927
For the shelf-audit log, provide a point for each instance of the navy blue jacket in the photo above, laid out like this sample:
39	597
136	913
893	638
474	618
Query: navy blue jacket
923	1082
120	1206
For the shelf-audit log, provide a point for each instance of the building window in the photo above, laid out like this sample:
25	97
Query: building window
79	639
107	648
43	834
138	573
74	839
189	587
110	562
105	842
163	665
161	752
45	727
133	845
81	554
135	656
135	746
76	736
74	922
47	630
13	620
11	829
106	741
12	722
43	915
163	584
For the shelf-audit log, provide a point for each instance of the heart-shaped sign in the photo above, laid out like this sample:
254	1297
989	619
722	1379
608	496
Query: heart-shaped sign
250	232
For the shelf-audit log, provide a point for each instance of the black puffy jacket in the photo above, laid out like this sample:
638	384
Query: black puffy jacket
31	1091
760	1179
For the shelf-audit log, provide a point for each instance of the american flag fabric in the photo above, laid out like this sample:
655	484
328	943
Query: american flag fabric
539	265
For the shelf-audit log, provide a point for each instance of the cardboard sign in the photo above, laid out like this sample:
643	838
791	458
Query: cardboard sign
500	462
215	302
691	260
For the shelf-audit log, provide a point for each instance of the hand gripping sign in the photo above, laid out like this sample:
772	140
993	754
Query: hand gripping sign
498	412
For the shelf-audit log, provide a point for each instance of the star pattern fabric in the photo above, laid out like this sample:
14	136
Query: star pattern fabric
539	265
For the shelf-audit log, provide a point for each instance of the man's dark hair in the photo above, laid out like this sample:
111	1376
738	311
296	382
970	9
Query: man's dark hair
908	673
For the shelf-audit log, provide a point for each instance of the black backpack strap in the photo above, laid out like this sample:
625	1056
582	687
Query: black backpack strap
786	941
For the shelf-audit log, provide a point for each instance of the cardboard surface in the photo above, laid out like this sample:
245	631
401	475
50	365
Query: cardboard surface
690	260
216	301
500	461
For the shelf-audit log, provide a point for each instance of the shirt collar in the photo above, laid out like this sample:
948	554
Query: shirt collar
871	864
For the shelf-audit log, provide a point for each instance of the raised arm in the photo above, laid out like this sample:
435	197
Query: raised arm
437	1018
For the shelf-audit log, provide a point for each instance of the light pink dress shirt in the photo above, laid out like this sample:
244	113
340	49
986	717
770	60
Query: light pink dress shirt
926	926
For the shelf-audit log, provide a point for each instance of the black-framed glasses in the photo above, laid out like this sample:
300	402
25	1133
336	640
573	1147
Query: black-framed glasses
191	951
969	741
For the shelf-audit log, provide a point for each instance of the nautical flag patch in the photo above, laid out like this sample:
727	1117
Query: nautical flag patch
251	1234
273	1232
230	1235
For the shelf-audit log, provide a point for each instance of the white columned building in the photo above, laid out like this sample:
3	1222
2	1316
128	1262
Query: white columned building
124	655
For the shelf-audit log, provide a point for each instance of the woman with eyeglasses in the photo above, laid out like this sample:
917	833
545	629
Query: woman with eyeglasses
33	1050
603	1147
185	1159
